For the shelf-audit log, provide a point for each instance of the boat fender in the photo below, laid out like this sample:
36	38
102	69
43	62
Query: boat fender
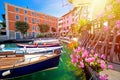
5	73
57	52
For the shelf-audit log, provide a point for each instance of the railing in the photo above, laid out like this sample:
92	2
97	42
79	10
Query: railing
3	38
101	40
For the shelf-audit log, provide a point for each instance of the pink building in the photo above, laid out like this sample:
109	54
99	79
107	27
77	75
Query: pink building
72	18
66	21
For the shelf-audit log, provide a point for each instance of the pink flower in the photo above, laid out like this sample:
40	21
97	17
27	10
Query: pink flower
87	60
85	54
74	60
106	28
117	26
90	59
102	56
96	55
98	61
110	66
111	16
91	63
77	56
102	65
118	22
118	33
75	50
83	49
72	56
103	77
78	48
92	51
81	64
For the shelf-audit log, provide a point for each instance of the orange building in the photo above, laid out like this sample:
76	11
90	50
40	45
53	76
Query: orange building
16	13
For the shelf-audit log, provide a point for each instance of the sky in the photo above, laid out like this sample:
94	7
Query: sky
55	8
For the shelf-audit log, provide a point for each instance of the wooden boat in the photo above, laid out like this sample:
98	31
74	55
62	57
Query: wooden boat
33	50
40	50
15	65
47	41
26	45
37	45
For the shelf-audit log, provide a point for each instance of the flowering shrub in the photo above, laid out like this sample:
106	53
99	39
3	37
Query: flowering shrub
72	45
81	58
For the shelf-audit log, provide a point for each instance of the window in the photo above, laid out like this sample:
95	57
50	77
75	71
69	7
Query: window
25	19
46	22
32	13
37	21
45	17
37	28
32	20
16	9
50	23
17	17
25	11
67	21
51	18
37	15
32	27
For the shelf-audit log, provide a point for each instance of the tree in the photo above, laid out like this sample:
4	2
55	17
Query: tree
22	27
53	29
3	24
43	28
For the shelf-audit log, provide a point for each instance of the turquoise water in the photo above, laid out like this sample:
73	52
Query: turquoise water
65	70
11	46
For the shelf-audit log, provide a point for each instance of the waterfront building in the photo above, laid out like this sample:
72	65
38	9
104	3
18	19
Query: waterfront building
66	21
83	10
33	18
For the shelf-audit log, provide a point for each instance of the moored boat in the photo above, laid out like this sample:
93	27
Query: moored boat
26	45
37	45
15	65
46	41
40	50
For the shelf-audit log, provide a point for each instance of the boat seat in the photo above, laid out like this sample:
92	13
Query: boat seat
7	53
19	55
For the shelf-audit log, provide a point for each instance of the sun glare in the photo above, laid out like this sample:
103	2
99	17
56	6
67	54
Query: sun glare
95	6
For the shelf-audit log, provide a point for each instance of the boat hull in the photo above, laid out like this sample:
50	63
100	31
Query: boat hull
41	50
37	46
28	69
